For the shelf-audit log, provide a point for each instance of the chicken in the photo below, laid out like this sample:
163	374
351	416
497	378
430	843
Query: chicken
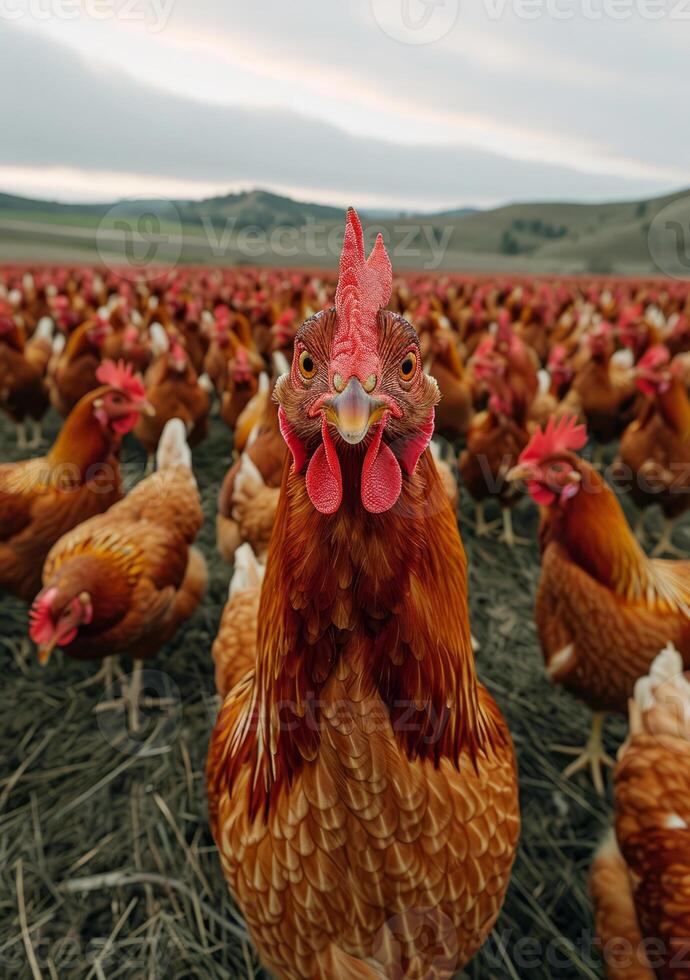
641	874
604	609
252	413
266	453
75	369
361	775
173	388
43	498
456	408
602	392
23	391
496	438
654	453
241	385
234	650
252	511
124	582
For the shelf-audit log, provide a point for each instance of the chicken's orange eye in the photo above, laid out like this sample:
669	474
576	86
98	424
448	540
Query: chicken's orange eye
307	368
408	366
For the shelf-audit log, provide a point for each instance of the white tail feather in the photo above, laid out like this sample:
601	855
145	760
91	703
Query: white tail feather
249	572
172	448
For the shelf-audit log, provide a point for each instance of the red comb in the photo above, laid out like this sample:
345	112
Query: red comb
41	625
654	358
122	376
364	287
558	355
564	435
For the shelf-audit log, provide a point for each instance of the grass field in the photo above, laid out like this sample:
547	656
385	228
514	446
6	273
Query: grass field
108	867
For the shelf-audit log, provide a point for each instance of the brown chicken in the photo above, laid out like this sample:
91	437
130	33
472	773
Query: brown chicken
234	649
41	499
75	369
361	781
604	609
602	392
23	390
125	581
267	453
641	875
494	442
654	450
172	387
456	407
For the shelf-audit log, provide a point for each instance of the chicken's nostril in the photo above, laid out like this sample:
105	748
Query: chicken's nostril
338	382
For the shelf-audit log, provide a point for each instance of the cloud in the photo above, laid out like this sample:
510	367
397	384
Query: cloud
68	111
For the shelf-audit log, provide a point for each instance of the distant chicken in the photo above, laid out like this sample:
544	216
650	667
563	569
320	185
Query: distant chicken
125	581
655	448
172	387
234	649
241	385
23	390
267	453
74	373
43	498
456	407
603	609
494	441
641	874
251	415
601	391
252	514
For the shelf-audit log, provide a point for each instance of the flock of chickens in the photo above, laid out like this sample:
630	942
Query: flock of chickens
525	375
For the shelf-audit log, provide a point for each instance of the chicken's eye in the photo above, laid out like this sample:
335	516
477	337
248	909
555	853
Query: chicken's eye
408	366
307	368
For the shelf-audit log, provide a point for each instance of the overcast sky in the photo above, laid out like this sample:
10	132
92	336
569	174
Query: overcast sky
390	103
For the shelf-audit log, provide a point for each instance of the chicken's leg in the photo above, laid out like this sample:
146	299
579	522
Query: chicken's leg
665	545
593	754
36	434
482	528
508	536
21	435
106	674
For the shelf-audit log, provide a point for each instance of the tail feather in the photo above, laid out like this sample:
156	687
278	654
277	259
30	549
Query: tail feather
249	572
173	449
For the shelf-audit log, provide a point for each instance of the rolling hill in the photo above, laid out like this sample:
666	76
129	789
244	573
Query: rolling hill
258	227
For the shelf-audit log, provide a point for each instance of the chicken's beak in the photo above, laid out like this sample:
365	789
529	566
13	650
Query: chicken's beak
146	408
521	472
45	651
353	412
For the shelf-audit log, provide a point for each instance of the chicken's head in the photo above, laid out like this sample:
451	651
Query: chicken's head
653	373
560	370
357	400
549	465
55	619
122	399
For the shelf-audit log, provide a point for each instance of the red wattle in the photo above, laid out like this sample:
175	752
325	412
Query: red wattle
381	475
324	480
294	443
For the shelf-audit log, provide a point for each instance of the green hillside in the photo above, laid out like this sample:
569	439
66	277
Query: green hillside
259	227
